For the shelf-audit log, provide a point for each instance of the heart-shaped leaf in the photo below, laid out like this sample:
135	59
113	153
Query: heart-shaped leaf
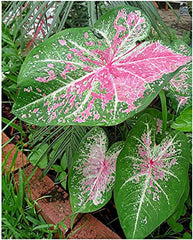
92	174
150	178
76	78
157	115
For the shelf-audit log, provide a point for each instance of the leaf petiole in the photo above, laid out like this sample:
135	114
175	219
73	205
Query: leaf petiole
164	111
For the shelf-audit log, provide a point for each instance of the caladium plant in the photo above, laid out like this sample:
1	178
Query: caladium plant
150	178
156	114
92	174
76	78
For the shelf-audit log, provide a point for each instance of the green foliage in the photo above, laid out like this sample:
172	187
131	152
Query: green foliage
13	125
187	235
61	176
57	143
184	121
36	153
70	14
186	37
11	63
19	217
180	210
150	178
55	147
92	174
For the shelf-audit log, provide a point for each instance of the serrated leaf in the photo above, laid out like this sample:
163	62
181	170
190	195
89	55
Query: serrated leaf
76	78
150	178
35	155
92	175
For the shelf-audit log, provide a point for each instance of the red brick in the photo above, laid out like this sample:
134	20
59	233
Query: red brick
92	228
57	210
38	188
57	207
10	148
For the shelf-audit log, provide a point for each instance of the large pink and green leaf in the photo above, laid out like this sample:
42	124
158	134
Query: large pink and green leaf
76	78
150	178
92	174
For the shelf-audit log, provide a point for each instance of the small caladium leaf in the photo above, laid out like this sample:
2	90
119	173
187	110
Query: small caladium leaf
150	178
157	116
92	174
76	78
180	87
184	121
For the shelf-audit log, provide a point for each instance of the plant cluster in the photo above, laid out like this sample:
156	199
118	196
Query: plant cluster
19	217
96	92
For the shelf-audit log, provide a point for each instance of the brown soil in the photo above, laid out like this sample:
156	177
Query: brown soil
170	19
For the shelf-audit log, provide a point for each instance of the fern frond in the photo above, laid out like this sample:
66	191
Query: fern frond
67	138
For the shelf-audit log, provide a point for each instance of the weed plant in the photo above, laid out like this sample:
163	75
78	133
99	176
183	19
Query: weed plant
19	216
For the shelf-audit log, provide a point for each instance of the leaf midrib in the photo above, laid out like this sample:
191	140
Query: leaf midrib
141	202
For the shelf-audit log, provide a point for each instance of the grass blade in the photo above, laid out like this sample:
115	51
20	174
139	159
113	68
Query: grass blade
7	142
36	15
20	192
43	226
10	122
13	125
11	13
91	13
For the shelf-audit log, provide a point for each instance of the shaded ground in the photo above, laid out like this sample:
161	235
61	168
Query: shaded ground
170	19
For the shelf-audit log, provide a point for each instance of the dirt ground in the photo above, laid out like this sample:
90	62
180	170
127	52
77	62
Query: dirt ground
170	19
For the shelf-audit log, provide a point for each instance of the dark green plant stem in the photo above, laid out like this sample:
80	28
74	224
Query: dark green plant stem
125	123
164	111
93	18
